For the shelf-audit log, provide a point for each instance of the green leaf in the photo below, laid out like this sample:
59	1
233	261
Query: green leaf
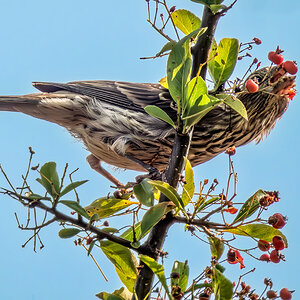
91	246
38	197
105	207
234	103
144	193
220	268
198	286
167	47
183	270
71	187
75	206
49	178
189	186
216	7
202	106
209	201
259	231
121	294
123	260
208	2
250	206
156	112
185	21
221	66
222	287
153	216
107	296
169	192
179	67
110	229
158	270
68	232
195	90
216	247
128	234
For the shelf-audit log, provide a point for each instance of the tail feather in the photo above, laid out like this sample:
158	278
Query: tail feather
15	103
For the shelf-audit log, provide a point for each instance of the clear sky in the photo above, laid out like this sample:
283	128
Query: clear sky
65	40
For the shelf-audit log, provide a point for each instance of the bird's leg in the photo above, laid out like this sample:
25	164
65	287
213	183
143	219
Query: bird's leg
95	164
153	172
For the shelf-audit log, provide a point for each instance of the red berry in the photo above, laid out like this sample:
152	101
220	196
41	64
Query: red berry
257	41
290	67
275	256
105	223
277	221
251	86
89	240
285	294
172	9
278	242
265	257
231	150
275	57
271	294
263	245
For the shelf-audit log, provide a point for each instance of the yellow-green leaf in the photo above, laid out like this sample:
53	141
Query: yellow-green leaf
158	270
189	186
259	231
185	20
221	66
124	262
169	192
105	207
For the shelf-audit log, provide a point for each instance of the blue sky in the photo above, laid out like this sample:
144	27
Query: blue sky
64	40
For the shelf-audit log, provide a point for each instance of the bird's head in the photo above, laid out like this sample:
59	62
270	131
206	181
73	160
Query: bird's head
275	82
267	105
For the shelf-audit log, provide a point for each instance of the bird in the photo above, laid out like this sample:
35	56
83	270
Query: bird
109	118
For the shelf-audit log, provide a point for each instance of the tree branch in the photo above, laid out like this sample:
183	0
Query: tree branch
200	51
59	216
180	149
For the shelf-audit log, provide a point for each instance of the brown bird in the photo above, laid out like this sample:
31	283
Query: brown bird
109	118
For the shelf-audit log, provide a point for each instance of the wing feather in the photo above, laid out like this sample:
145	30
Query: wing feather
126	95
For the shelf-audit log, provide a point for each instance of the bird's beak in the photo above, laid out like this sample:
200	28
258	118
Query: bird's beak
282	83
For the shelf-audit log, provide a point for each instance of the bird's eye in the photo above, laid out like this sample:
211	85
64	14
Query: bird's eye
259	79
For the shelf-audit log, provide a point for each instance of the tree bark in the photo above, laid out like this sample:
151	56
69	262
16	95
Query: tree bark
157	236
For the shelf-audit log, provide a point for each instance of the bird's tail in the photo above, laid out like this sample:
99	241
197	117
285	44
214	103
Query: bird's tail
56	108
18	103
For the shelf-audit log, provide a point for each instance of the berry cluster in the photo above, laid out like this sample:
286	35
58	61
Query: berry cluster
284	293
269	199
277	221
276	57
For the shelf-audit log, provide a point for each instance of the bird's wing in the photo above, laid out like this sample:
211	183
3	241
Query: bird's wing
126	95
